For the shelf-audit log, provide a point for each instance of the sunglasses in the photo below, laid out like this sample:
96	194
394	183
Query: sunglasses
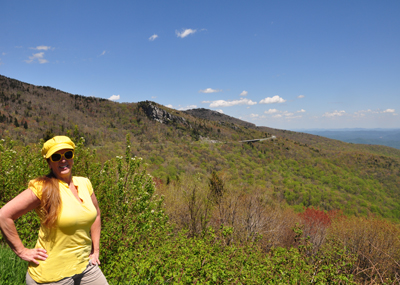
58	156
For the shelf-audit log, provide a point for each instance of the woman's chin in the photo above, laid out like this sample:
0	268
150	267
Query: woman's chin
64	172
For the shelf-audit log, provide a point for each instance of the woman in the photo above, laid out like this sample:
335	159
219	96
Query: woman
67	249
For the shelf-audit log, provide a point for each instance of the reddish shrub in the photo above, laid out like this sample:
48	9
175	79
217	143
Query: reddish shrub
315	217
315	223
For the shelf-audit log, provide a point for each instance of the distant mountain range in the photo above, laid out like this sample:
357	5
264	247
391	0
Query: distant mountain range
378	136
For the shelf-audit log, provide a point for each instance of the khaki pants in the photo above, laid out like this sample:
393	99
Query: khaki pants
92	275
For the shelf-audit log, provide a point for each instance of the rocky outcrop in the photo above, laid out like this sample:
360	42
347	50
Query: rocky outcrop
155	113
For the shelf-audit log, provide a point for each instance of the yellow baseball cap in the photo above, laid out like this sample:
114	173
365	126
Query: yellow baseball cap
55	144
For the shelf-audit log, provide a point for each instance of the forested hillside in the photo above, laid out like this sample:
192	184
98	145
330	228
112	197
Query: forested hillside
298	169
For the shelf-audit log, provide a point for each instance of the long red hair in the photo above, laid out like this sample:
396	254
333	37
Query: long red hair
51	200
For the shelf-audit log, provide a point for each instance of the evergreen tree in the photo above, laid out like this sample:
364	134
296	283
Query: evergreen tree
216	186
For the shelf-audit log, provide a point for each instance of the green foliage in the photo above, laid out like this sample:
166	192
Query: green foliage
12	268
18	166
131	213
208	260
138	245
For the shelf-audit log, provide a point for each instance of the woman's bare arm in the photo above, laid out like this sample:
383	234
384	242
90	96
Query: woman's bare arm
95	233
20	205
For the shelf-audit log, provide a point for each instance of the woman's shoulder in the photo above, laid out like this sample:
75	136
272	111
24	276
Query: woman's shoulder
36	186
80	179
83	182
36	183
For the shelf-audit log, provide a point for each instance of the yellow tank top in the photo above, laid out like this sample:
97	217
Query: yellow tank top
69	244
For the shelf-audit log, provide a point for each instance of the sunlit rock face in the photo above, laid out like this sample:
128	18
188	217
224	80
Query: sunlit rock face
155	113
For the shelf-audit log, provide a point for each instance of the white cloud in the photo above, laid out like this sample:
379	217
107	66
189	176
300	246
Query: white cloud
255	117
271	100
188	107
244	93
209	90
334	114
301	111
42	48
39	56
184	33
153	97
271	111
359	114
220	111
3	53
287	114
301	96
223	103
378	111
114	98
363	112
153	37
169	106
291	117
282	114
389	111
103	53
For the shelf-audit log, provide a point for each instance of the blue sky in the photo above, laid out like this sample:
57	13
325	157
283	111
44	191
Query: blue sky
281	64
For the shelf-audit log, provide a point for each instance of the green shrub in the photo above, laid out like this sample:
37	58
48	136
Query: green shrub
140	246
180	260
12	268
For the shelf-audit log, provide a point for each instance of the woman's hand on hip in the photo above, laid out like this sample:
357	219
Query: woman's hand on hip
94	258
33	255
